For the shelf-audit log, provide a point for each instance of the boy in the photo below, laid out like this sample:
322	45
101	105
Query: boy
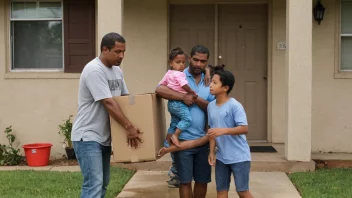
228	126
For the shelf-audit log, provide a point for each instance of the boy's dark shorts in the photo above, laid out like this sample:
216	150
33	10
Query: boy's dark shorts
193	163
240	172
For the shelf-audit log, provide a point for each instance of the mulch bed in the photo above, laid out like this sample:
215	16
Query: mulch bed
57	162
63	162
333	164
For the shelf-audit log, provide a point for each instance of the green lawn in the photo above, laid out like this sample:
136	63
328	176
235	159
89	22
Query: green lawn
40	184
324	183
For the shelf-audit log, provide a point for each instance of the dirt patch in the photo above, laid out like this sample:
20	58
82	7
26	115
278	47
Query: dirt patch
57	162
333	164
63	162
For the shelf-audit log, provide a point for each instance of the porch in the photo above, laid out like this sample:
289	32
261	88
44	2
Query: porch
277	95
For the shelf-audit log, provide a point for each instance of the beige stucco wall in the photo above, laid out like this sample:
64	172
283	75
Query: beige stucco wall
145	27
145	30
331	109
35	103
278	71
34	107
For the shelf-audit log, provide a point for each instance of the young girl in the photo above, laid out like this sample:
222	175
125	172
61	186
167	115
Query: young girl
176	79
228	125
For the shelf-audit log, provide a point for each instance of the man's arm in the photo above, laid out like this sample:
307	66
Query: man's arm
116	113
203	104
169	94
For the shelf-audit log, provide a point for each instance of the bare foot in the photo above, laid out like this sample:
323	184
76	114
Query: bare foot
174	139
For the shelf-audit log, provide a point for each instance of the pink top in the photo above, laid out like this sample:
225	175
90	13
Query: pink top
174	80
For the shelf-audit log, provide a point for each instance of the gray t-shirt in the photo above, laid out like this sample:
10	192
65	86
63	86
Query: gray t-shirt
97	82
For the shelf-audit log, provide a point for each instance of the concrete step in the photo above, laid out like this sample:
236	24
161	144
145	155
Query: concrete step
258	165
261	162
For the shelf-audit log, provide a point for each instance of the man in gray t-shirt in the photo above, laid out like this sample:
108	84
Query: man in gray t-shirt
101	79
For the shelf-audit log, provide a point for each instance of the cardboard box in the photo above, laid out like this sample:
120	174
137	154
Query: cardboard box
146	112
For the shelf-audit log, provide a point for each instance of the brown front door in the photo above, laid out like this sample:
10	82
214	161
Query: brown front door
191	25
243	50
242	47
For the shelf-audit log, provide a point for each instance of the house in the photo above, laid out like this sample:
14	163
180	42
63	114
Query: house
293	73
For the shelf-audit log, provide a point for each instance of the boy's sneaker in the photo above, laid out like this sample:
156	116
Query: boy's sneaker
173	183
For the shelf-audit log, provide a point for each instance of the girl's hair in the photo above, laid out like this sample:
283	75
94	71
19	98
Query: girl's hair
226	77
174	52
215	68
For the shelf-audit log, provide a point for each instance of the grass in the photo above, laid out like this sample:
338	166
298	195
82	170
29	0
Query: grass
40	184
324	183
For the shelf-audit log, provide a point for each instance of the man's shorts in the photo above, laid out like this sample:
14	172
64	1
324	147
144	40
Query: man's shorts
193	164
240	172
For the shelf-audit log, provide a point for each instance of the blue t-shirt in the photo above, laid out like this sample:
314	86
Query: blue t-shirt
197	128
230	148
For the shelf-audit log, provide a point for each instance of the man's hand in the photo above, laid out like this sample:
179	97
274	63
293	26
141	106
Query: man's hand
188	99
207	75
215	132
211	159
133	136
207	79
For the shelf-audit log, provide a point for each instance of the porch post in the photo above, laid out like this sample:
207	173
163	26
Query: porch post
298	70
109	18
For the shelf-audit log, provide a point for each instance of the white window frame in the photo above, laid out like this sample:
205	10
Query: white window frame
339	74
10	44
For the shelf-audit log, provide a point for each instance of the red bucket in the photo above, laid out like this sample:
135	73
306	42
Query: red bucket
37	154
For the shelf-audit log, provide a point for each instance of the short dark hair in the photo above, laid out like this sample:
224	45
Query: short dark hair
200	49
226	77
109	40
174	52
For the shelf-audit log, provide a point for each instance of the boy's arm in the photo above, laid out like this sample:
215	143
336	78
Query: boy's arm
211	157
239	130
212	145
240	119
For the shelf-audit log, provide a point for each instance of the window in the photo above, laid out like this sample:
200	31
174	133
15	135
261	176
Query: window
346	36
52	35
36	35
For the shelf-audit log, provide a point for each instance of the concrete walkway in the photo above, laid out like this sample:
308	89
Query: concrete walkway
152	184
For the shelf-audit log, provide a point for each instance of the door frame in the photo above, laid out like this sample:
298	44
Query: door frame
216	44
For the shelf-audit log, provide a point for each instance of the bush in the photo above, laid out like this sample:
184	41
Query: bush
65	129
8	154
